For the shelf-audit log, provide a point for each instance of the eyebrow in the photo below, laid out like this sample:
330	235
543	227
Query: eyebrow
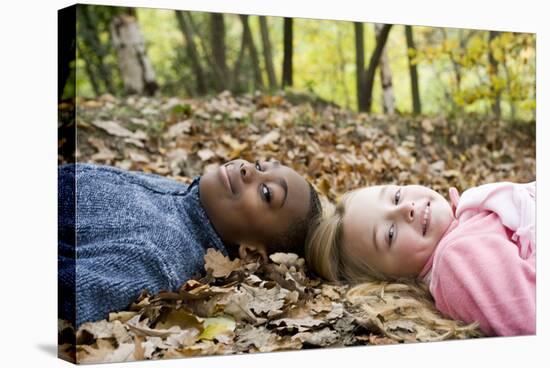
282	183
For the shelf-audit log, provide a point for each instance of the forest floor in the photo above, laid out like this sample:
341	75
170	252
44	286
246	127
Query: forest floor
244	306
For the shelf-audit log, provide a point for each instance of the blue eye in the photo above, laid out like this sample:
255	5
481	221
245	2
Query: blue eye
257	165
397	196
266	193
391	233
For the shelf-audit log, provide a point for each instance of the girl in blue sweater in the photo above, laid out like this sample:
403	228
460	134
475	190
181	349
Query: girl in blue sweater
121	232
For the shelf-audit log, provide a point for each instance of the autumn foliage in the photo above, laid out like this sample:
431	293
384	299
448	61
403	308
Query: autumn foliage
240	306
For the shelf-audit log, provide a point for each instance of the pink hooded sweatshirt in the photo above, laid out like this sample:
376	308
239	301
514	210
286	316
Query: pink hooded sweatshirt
483	269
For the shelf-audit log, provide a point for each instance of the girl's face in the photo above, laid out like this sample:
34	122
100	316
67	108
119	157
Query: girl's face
253	203
395	229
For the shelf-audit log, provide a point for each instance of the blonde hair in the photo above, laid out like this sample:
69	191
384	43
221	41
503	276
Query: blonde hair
382	307
326	255
381	303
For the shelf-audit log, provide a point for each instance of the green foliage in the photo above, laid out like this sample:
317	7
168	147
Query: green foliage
473	83
181	110
456	76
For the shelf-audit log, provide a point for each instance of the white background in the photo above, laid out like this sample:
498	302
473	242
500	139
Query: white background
28	156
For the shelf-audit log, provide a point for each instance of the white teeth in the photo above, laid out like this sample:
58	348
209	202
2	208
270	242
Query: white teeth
425	220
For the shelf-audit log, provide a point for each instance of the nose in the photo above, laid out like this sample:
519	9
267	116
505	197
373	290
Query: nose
247	171
406	210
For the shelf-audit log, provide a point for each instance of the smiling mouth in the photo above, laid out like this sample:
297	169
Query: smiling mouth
426	219
224	174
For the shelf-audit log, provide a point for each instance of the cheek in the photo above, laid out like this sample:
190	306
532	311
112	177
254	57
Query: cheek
250	211
410	242
444	219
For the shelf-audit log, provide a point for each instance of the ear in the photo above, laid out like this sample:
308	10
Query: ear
252	250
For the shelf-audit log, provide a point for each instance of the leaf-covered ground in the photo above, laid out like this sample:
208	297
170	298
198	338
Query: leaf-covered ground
243	306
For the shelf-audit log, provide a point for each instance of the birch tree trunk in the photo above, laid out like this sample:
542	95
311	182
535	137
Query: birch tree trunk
136	71
388	97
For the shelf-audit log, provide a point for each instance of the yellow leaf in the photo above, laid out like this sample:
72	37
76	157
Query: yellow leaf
216	327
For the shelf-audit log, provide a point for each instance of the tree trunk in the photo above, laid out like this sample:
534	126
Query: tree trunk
188	34
373	63
136	70
90	72
493	71
66	47
360	79
235	81
267	52
417	107
287	58
217	27
96	56
258	83
388	97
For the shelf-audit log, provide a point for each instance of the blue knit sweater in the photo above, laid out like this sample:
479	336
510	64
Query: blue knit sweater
132	231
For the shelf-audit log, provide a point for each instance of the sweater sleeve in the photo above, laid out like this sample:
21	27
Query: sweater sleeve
66	242
482	278
110	277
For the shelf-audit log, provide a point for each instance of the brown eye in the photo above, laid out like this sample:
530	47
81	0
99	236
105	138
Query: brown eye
266	193
257	165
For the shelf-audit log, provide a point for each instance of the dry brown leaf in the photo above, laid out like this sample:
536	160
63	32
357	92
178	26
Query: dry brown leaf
323	337
337	151
123	316
103	153
266	300
103	330
270	138
301	324
141	328
114	128
182	318
105	353
219	264
259	337
206	154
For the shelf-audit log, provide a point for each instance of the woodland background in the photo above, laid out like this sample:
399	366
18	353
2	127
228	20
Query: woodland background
358	66
345	104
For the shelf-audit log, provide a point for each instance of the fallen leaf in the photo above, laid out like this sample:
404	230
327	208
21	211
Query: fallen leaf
219	264
271	137
215	327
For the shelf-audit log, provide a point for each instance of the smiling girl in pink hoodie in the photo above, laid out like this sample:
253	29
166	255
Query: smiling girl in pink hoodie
476	253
